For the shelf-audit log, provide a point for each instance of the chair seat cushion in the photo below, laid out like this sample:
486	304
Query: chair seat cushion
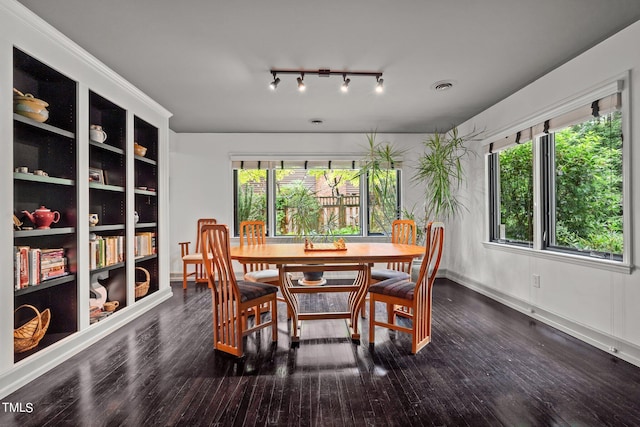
380	274
269	275
253	290
394	287
194	257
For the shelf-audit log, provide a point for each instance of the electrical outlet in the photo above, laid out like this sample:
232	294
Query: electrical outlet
536	281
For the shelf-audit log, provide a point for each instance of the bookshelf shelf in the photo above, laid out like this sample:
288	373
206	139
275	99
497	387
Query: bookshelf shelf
49	283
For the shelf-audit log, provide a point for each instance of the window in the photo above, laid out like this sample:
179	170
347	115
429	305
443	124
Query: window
585	188
315	198
574	164
250	195
514	216
317	202
383	200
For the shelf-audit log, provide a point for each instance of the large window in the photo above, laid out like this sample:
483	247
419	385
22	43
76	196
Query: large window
299	198
585	188
574	163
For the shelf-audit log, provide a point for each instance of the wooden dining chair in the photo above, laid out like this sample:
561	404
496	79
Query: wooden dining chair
402	231
255	233
234	301
194	258
402	295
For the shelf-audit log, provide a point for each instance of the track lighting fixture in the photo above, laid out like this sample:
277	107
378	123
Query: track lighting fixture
325	72
345	83
274	84
301	86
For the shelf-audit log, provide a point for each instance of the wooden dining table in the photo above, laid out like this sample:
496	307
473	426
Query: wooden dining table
293	257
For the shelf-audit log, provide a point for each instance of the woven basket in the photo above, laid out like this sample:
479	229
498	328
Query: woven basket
29	335
143	287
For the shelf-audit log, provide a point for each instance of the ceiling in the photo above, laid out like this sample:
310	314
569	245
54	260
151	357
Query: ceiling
208	61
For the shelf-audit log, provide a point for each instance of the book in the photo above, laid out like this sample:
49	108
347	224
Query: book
24	266
34	266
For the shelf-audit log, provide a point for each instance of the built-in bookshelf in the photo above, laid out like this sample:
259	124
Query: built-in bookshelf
146	201
45	200
107	205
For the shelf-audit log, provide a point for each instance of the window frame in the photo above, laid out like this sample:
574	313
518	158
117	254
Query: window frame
543	178
236	221
495	208
364	214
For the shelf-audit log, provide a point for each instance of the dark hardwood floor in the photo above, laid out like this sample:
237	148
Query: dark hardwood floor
487	365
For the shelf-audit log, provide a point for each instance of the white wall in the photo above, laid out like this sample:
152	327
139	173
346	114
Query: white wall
597	305
200	180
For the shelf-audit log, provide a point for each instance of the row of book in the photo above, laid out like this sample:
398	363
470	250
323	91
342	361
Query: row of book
145	244
32	266
105	251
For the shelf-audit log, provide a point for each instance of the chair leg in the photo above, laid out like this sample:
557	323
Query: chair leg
390	314
274	320
184	276
372	318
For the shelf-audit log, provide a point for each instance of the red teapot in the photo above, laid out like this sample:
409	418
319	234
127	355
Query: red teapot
43	217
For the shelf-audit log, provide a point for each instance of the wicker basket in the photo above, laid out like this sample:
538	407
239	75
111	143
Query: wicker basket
29	335
143	287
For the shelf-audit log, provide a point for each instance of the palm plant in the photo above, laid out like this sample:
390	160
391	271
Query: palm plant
441	172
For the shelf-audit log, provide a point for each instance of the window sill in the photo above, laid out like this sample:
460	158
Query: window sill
584	261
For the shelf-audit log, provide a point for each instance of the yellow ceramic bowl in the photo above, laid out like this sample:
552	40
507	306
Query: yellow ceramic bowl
28	104
40	117
139	150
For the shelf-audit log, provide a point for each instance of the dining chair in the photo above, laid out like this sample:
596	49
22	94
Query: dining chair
234	301
399	294
402	231
194	258
255	233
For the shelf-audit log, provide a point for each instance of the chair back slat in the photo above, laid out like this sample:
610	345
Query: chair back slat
253	233
403	231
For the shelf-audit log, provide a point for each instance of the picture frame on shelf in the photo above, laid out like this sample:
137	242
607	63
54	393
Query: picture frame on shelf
96	175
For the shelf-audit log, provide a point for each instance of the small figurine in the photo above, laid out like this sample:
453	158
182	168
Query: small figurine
16	223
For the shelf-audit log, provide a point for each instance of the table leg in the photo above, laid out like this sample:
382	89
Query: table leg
356	299
291	300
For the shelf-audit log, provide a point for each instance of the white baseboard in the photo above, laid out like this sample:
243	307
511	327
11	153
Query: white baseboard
46	359
603	341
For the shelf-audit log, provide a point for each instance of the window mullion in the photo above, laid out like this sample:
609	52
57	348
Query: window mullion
364	204
539	160
271	201
494	197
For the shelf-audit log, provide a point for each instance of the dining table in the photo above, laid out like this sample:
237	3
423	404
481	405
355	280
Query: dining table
357	257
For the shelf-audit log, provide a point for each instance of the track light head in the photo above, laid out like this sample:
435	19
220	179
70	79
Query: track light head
274	84
301	86
379	87
345	83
